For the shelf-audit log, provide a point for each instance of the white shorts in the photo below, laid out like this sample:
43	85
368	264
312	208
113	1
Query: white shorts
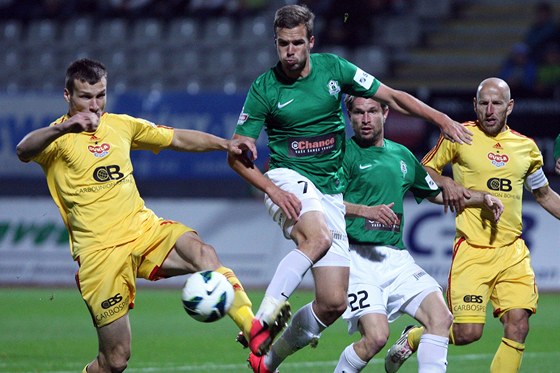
331	205
385	280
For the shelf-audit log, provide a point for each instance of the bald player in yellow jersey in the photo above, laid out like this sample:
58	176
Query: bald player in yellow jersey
490	260
115	239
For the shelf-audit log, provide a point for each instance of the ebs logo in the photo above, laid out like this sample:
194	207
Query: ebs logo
116	299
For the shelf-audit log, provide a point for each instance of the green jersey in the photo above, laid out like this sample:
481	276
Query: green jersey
303	118
381	175
557	148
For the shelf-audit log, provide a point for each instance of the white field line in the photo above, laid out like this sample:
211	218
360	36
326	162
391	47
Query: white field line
243	367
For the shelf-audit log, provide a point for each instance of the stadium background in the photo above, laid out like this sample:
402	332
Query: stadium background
187	65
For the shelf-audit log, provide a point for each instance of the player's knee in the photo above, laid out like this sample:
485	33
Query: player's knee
466	333
117	360
517	331
207	257
329	312
374	342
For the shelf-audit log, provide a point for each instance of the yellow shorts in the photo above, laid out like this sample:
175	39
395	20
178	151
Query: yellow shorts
107	278
503	275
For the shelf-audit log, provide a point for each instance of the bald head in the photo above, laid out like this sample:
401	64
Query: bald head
496	84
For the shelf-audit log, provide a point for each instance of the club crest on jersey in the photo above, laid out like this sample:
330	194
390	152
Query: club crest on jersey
99	151
334	87
498	160
404	170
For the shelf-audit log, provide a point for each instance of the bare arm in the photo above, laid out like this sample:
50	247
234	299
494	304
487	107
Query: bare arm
548	199
409	105
242	163
36	141
454	194
197	141
477	199
380	213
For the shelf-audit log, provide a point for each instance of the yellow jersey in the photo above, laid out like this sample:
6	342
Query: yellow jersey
89	176
495	164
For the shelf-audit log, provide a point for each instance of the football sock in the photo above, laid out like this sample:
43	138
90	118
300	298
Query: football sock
288	276
432	353
240	310
414	336
304	328
508	357
349	361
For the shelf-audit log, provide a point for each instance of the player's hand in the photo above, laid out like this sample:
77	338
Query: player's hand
495	205
243	145
382	214
288	202
557	167
82	122
456	132
454	195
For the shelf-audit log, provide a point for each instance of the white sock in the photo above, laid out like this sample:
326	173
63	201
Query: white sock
288	276
305	326
349	361
432	354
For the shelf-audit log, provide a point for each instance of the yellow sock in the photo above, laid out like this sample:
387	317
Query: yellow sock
240	311
508	357
414	336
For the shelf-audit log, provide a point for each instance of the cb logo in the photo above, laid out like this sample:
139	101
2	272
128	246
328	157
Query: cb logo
495	183
472	299
106	173
116	299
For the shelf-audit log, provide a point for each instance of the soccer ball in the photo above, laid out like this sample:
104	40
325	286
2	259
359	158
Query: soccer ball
207	296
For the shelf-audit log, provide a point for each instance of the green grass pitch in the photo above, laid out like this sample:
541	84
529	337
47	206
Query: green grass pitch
49	331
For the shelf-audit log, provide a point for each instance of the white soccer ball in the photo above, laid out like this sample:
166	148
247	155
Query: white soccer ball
207	296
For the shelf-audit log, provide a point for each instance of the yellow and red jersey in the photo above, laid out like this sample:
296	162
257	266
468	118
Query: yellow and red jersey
89	176
495	164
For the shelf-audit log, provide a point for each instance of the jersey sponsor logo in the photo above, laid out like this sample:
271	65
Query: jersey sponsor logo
107	173
281	105
334	87
362	78
99	151
365	166
503	185
470	298
498	160
372	225
112	306
305	146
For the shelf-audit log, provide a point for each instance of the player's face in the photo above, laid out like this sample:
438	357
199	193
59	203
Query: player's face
87	97
293	48
367	118
492	106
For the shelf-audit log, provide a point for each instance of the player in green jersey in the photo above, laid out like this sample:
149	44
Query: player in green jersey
385	282
114	238
299	103
491	261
